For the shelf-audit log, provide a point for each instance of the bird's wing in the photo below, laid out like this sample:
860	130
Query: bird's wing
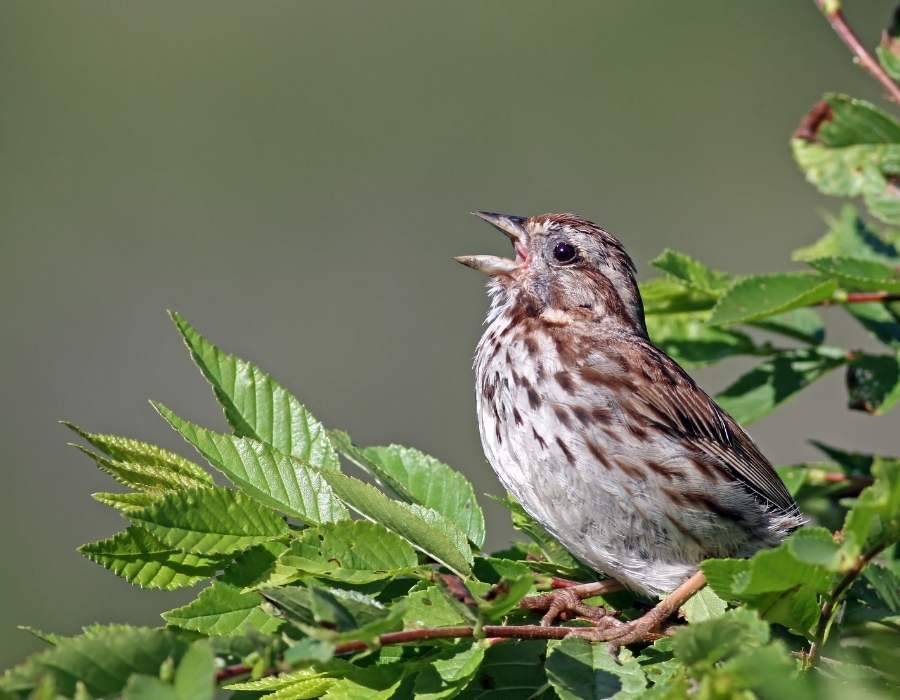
669	399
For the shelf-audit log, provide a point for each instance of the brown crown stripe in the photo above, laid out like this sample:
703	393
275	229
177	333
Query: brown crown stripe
517	417
531	345
540	440
488	390
599	454
497	432
533	399
565	450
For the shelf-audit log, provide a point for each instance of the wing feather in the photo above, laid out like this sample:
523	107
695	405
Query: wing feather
672	401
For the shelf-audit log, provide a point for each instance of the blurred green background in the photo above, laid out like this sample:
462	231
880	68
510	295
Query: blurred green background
294	177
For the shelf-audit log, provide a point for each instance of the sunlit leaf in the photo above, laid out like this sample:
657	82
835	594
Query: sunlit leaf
273	478
210	521
141	559
421	479
222	609
256	405
754	298
424	529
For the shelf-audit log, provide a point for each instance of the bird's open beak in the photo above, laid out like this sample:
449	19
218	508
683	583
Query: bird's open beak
514	229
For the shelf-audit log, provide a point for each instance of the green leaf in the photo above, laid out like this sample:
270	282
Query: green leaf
703	605
210	521
258	567
889	61
422	479
874	519
802	324
848	236
425	529
511	581
256	406
776	380
886	584
692	342
881	320
431	608
858	273
335	614
301	690
139	558
271	477
781	583
141	687
131	451
873	383
103	659
126	502
144	477
852	148
704	644
754	298
195	675
283	680
372	683
352	551
513	670
448	675
579	670
665	295
692	273
222	609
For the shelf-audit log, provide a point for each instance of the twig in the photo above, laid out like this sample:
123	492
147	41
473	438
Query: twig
861	298
835	16
831	603
425	634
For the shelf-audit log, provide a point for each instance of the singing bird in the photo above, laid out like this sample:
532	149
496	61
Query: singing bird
600	436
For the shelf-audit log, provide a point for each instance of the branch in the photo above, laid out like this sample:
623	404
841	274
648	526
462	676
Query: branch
828	607
835	16
862	297
428	633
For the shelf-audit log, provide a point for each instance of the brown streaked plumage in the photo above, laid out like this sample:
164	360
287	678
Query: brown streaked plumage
612	446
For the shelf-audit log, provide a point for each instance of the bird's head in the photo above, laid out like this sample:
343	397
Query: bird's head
562	264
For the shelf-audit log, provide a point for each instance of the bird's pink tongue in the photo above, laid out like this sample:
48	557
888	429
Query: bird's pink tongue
521	252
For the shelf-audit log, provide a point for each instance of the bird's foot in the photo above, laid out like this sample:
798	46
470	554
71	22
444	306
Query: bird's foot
566	603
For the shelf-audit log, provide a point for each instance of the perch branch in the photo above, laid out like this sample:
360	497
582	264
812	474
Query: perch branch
835	16
429	633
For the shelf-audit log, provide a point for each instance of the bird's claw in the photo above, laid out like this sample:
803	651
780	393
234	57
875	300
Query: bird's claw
565	603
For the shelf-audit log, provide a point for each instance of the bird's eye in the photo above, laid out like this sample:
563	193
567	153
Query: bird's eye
564	252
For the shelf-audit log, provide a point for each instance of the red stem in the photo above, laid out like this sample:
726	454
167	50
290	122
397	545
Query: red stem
835	16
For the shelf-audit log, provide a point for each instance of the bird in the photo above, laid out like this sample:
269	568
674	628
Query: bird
602	437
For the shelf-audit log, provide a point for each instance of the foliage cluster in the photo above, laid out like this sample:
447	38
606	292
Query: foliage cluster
345	572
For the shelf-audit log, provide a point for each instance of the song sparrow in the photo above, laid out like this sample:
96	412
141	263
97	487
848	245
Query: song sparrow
603	438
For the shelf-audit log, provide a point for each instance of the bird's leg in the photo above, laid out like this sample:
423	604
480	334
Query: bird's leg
568	600
647	626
